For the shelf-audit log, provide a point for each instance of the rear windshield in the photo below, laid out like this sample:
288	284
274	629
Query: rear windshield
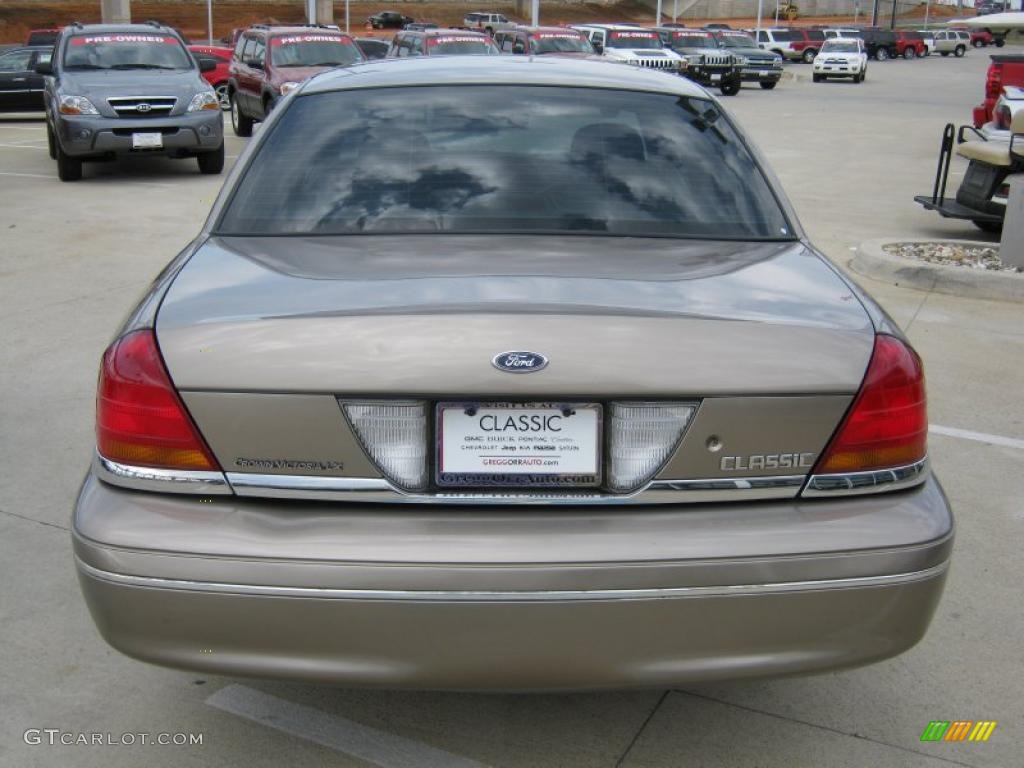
126	51
519	159
459	45
638	39
313	50
784	35
559	42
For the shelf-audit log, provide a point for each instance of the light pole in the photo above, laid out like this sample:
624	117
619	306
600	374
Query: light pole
758	30
346	16
657	15
209	21
675	10
534	12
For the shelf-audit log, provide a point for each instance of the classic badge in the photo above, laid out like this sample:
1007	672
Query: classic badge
519	362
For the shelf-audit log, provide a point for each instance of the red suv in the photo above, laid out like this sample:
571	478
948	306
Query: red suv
910	44
270	61
1005	69
218	76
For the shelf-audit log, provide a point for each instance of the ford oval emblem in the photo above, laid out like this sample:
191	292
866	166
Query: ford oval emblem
520	362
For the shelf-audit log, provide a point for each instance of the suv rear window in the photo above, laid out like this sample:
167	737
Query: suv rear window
517	159
126	51
313	50
785	36
814	34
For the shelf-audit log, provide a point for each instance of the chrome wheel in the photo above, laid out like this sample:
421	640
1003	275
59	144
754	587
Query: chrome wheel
223	96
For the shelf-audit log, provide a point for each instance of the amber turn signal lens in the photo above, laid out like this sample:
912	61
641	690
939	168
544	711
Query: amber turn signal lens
140	419
887	425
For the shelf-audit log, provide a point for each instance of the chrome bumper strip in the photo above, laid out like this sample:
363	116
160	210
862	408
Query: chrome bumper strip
855	483
726	590
161	480
380	490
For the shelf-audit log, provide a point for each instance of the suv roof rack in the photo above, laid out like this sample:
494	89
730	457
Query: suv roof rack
153	23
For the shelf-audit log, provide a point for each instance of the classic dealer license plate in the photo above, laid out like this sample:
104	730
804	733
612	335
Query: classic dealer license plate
519	444
147	140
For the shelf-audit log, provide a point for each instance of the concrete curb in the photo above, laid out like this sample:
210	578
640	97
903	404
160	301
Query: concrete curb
871	261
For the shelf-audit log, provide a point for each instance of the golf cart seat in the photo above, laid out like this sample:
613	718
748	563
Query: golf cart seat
988	152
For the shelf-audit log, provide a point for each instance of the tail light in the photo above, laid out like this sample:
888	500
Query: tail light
887	425
395	436
994	81
140	420
643	436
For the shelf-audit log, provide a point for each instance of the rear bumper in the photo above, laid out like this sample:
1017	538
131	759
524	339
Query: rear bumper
485	599
83	136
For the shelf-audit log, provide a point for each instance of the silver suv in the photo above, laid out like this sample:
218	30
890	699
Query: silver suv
128	89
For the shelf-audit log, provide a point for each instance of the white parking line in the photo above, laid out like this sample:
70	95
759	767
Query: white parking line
27	175
19	146
381	748
979	437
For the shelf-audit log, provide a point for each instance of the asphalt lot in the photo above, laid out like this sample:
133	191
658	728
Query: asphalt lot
73	259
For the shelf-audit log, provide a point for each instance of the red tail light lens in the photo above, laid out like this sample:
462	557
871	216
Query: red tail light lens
887	425
994	81
140	419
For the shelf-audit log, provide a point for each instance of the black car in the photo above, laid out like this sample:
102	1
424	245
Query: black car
881	44
389	20
21	87
373	48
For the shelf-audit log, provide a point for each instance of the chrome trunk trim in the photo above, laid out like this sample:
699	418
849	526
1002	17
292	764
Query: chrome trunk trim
161	480
654	593
856	483
379	490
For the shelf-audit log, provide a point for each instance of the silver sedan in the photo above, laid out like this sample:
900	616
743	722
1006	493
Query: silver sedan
508	373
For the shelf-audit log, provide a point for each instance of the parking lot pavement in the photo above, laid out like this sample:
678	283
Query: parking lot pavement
73	258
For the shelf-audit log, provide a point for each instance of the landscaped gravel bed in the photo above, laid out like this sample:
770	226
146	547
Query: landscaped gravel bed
953	254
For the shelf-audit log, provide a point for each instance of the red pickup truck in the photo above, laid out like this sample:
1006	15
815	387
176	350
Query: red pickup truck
1005	69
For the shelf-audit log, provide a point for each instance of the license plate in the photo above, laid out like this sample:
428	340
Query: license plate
715	78
766	72
519	444
147	140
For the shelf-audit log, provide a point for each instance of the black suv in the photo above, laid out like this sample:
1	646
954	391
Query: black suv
757	65
707	64
128	89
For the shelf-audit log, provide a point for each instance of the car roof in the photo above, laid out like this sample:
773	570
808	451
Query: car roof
93	29
500	70
441	31
613	26
542	28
